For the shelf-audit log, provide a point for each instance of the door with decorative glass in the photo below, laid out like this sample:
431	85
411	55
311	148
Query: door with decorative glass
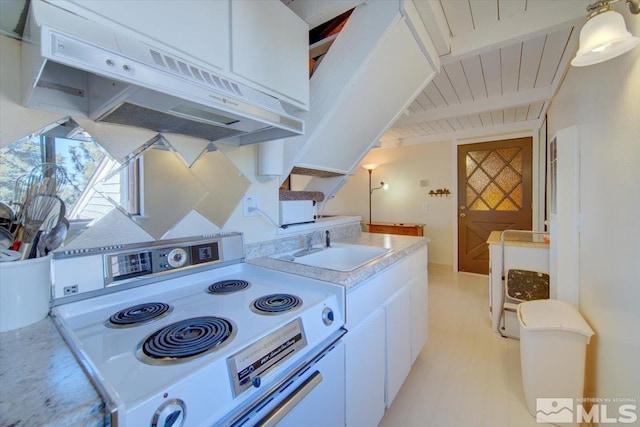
494	193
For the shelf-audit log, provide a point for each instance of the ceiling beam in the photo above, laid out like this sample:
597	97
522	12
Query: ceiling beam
542	18
435	22
486	104
499	131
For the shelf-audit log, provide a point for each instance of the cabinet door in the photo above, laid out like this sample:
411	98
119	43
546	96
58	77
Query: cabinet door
365	371
369	103
270	47
565	230
196	28
419	313
398	314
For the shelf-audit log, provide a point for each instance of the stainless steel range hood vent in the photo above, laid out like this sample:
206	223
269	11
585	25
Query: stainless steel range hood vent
134	115
76	67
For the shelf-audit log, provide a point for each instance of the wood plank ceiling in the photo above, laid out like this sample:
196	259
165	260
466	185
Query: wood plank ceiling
502	62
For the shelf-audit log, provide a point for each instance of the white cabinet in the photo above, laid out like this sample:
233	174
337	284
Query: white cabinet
565	219
371	104
196	28
419	313
360	89
365	371
398	330
260	43
270	47
382	337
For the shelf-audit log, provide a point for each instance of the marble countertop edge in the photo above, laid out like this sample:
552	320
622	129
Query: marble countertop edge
401	247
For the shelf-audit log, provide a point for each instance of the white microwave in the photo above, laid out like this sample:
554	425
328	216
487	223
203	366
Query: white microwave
297	211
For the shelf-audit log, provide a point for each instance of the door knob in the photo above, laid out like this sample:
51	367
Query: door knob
462	215
463	208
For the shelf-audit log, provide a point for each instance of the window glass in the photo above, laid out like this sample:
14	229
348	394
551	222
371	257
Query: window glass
84	161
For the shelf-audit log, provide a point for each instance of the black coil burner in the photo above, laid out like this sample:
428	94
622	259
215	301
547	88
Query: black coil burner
185	340
138	314
275	303
228	286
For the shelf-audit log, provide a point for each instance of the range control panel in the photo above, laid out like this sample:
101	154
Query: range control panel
129	265
82	273
166	259
143	262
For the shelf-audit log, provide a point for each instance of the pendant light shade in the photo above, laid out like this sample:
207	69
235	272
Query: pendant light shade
604	36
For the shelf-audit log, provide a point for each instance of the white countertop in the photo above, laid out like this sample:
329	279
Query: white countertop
42	384
401	246
514	239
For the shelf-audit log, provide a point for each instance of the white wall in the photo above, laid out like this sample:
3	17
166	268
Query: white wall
403	168
604	101
17	121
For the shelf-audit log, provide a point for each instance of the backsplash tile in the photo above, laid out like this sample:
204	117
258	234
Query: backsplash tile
289	243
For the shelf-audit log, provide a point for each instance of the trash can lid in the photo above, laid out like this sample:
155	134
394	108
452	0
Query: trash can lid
552	314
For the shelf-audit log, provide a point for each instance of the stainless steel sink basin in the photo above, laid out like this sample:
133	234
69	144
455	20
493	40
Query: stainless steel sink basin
339	257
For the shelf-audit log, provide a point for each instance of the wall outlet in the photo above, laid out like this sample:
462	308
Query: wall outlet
249	203
425	206
70	290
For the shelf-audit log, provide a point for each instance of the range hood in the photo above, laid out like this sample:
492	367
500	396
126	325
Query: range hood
73	66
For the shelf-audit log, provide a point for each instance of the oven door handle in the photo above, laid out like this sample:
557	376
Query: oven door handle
287	405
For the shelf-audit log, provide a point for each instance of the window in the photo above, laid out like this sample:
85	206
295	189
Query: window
85	163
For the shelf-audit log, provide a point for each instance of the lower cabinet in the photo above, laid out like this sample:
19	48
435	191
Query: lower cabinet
387	328
419	313
398	330
365	372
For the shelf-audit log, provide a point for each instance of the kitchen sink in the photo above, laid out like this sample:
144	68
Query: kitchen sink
339	257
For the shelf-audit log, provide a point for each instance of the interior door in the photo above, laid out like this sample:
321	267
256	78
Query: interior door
494	193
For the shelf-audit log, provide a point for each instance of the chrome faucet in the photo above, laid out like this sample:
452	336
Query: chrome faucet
308	245
327	239
308	241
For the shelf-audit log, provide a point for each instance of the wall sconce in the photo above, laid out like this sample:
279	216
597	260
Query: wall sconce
382	185
370	167
440	192
604	36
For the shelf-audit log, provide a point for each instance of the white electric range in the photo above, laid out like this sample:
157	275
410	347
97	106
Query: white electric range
182	333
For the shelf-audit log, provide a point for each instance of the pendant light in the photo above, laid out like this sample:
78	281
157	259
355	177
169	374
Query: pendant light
604	35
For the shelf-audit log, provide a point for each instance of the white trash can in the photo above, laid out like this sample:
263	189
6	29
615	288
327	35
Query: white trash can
553	342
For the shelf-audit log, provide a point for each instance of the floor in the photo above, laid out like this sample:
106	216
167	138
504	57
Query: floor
466	375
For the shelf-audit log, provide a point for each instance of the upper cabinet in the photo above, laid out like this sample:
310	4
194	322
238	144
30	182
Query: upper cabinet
270	47
260	43
379	62
196	28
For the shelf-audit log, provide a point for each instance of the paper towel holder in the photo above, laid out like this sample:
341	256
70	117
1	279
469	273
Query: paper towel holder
271	158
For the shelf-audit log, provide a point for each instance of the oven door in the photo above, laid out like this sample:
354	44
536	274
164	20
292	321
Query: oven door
314	397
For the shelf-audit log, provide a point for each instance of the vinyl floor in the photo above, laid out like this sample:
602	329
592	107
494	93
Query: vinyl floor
466	375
